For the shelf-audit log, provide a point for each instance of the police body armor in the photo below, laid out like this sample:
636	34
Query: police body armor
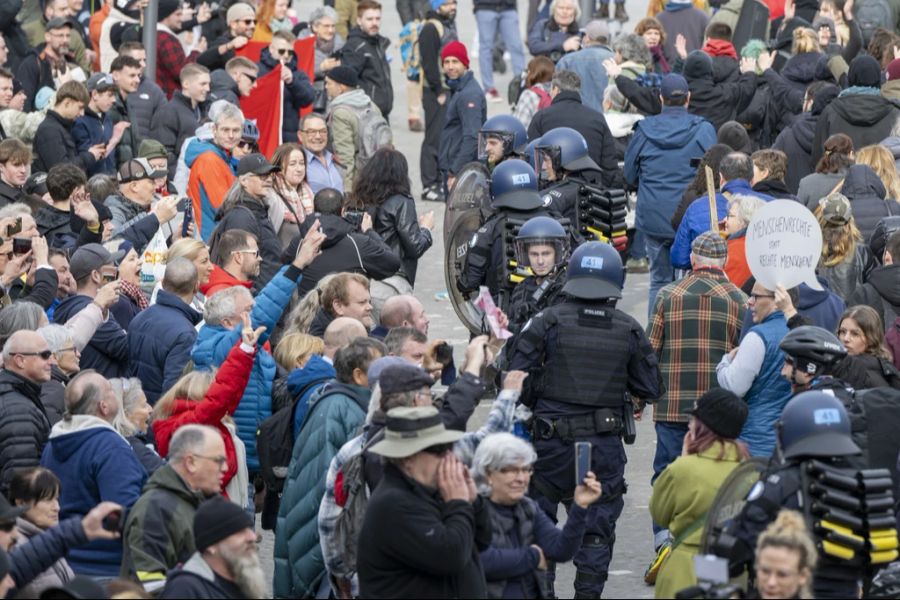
589	366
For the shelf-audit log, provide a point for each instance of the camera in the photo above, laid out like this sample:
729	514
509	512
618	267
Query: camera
355	217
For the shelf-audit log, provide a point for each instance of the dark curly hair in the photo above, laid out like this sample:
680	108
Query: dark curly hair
384	175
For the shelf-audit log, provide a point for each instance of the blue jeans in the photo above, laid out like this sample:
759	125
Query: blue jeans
638	248
669	439
488	22
661	271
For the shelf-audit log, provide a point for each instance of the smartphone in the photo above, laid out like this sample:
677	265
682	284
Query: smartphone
582	461
15	228
355	217
21	245
188	218
109	273
114	521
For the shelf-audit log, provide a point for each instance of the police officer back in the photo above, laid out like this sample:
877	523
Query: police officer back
584	355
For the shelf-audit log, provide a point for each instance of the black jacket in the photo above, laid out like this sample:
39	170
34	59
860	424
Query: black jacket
42	293
211	59
566	110
796	141
396	222
16	40
776	189
223	87
881	291
716	102
297	94
53	395
344	250
54	144
367	55
175	122
34	73
414	545
430	46
131	140
866	118
56	225
10	194
466	113
867	199
252	215
24	426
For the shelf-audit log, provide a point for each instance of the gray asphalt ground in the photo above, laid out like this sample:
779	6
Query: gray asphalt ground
634	546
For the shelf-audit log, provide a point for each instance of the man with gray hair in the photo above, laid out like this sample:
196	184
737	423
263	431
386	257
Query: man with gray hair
697	321
160	338
159	532
587	63
24	426
94	464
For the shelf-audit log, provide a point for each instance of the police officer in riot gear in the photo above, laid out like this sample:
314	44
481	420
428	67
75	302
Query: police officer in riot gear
584	356
515	199
500	138
542	245
561	158
810	357
814	430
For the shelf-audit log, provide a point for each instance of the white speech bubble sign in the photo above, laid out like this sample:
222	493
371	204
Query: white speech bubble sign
783	245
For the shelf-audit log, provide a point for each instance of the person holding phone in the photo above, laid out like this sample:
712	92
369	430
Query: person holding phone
127	271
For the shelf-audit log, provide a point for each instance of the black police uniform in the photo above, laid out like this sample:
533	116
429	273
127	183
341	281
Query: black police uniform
578	393
530	297
562	196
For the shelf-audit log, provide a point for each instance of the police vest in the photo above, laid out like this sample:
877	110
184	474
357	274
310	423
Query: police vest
589	365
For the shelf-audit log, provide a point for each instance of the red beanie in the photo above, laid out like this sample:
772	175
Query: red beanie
457	50
893	70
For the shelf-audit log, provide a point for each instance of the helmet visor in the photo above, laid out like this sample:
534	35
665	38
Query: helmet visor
541	255
547	163
494	146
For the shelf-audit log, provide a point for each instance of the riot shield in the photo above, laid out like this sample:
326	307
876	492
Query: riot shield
752	23
471	193
456	246
729	501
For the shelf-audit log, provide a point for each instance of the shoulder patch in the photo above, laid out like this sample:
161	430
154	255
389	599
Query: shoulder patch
756	491
473	241
546	200
527	325
774	478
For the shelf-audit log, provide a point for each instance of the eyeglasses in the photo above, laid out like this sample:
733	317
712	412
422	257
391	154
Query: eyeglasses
255	253
44	354
756	297
316	131
517	470
439	449
219	460
285	52
74	349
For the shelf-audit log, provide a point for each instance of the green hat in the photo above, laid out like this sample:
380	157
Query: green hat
152	149
410	430
836	209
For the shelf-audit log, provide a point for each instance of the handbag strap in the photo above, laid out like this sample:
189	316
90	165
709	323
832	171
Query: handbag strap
692	528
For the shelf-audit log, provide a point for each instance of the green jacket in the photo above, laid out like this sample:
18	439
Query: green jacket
683	493
159	531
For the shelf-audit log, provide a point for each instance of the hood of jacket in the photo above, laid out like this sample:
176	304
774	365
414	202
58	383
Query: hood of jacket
165	478
69	436
316	370
720	48
355	98
256	206
810	298
220	277
70	305
862	110
221	80
892	143
335	229
804	130
886	280
673	128
861	181
801	68
698	66
197	147
823	98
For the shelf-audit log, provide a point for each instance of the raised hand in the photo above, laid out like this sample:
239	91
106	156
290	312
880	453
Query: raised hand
249	335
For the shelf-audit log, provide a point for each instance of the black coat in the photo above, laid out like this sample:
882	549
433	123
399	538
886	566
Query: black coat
54	144
53	395
252	215
414	545
717	102
465	114
396	222
297	94
42	293
867	199
796	141
866	118
175	122
367	55
34	72
24	426
211	59
131	140
344	250
881	291
16	40
10	194
566	110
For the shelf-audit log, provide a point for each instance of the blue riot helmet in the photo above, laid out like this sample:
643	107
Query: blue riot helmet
815	424
595	272
505	129
543	231
562	149
514	185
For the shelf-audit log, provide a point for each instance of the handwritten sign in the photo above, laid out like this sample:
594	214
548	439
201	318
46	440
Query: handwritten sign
783	244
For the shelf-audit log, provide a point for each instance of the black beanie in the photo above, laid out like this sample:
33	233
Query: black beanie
166	8
343	75
864	72
722	411
216	519
735	135
697	65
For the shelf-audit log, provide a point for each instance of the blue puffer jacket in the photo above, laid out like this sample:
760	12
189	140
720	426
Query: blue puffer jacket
696	219
658	162
331	423
90	129
160	341
214	342
94	464
307	380
770	391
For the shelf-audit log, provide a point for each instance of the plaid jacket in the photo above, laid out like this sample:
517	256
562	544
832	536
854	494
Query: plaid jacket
696	321
170	58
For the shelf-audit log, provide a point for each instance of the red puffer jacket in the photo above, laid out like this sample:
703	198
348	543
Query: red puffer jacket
221	399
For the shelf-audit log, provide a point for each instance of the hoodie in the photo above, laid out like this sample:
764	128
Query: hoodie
892	143
658	162
221	279
213	170
94	464
303	382
718	102
223	87
796	140
107	352
881	291
867	194
866	118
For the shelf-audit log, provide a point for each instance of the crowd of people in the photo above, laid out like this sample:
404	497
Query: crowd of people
207	332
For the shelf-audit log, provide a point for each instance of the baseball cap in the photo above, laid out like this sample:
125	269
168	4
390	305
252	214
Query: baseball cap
596	30
137	169
100	82
36	184
257	164
91	257
674	86
836	209
58	23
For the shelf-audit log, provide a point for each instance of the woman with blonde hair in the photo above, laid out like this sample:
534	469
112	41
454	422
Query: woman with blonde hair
805	40
198	253
786	557
845	262
881	160
202	398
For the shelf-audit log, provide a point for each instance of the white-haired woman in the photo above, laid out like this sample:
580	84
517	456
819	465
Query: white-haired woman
524	537
133	421
740	211
67	354
557	34
323	24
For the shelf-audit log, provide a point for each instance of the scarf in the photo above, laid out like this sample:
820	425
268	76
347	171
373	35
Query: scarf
720	48
660	59
134	292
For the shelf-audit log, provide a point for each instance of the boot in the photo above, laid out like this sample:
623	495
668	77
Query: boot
621	15
602	12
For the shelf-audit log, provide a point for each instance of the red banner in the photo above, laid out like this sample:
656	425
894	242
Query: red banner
264	106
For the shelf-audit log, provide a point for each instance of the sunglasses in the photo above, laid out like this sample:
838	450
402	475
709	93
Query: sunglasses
252	78
285	52
439	449
248	21
45	355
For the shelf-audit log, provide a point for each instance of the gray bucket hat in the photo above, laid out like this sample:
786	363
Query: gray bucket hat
412	429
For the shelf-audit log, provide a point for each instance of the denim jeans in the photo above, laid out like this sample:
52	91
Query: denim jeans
488	22
638	248
661	271
669	439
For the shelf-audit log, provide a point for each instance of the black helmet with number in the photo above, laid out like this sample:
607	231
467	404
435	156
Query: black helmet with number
541	230
595	272
813	350
514	185
815	424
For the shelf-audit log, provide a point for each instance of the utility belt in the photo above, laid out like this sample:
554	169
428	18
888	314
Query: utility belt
602	421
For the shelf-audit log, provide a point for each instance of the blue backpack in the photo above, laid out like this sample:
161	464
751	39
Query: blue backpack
409	46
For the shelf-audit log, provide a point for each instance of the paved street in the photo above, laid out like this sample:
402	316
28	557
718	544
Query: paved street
634	540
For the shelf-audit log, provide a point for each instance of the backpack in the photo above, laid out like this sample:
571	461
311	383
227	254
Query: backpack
872	14
409	46
374	132
514	89
545	98
352	495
